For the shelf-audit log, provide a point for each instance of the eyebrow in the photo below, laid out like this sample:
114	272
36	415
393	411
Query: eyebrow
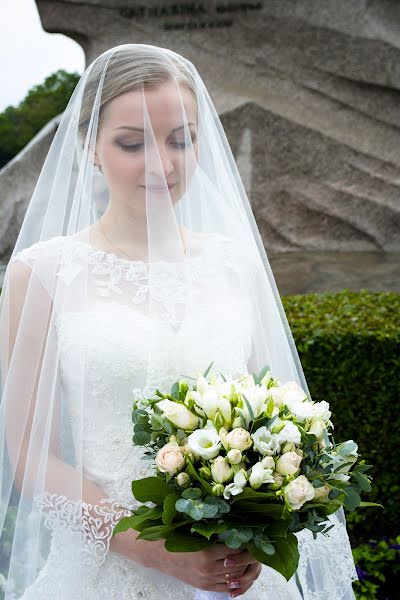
142	130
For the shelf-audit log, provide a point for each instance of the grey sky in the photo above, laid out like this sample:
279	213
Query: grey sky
28	54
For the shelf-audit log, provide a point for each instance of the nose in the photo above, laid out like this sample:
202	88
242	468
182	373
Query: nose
160	163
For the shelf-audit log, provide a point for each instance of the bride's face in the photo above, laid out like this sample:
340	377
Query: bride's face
168	159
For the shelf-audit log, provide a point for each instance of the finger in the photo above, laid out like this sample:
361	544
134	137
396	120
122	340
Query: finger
243	558
220	551
248	578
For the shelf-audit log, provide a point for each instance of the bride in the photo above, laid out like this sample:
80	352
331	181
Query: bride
138	262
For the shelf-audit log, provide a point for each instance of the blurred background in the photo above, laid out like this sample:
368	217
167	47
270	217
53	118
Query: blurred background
308	92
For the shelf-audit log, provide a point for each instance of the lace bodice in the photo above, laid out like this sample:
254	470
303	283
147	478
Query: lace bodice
108	340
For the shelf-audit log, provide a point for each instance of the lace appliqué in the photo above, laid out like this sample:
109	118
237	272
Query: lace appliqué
94	523
331	555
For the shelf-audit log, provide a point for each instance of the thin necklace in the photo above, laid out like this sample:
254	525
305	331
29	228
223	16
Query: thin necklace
120	249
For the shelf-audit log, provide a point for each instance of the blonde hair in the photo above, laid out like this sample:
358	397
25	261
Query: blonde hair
131	67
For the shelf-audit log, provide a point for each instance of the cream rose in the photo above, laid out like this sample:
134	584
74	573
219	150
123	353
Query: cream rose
221	470
169	459
298	491
288	463
239	439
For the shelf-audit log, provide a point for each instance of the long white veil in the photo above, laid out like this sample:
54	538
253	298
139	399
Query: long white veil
188	209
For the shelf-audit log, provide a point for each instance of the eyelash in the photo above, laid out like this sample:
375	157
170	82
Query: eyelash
136	147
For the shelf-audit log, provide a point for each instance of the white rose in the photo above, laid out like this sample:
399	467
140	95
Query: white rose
288	463
239	482
265	442
260	475
178	414
321	493
205	442
234	456
239	438
221	471
289	433
317	428
298	491
321	410
169	459
183	479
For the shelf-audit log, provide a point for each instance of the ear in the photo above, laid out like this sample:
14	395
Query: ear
93	156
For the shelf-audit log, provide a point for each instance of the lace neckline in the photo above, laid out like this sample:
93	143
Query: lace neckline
114	258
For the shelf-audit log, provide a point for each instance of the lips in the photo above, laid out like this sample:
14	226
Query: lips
153	188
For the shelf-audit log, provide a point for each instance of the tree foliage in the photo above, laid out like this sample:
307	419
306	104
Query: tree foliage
19	124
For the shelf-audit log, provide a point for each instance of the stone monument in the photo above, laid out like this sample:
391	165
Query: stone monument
308	94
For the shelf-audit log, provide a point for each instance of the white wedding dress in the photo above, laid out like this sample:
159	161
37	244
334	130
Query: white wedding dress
111	338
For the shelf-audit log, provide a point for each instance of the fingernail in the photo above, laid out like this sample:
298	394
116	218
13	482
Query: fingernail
233	584
229	562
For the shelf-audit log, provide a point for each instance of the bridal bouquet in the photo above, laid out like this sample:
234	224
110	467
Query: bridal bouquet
247	462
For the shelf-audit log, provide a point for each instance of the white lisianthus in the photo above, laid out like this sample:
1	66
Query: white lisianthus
268	462
239	439
239	482
234	456
178	414
260	475
288	463
221	470
256	397
321	410
205	442
169	459
317	427
265	442
302	410
289	433
298	491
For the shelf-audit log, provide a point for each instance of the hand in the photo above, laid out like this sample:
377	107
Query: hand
244	581
204	569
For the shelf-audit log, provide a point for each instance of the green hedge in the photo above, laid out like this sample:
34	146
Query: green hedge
349	346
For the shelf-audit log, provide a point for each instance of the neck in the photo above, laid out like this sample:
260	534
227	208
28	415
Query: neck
126	228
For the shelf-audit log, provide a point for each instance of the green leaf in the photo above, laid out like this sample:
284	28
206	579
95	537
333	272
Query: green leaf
151	489
170	511
274	511
248	407
250	494
194	493
157	532
265	546
362	481
234	538
352	498
208	369
185	543
141	438
364	504
207	529
285	559
195	476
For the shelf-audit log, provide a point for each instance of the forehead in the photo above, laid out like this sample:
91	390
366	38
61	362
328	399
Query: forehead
168	106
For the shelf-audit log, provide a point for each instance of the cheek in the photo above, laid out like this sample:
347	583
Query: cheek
124	166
